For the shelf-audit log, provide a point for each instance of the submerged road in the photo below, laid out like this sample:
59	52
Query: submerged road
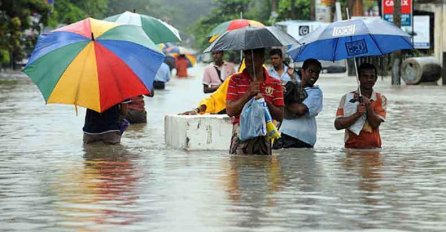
50	181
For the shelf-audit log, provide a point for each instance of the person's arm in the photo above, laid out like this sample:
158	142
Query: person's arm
372	117
207	80
209	88
234	107
347	121
275	111
297	109
200	109
311	106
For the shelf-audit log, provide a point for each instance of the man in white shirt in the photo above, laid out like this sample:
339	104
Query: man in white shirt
278	68
162	76
215	73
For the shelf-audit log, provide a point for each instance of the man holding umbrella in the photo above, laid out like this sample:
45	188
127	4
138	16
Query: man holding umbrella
361	113
253	81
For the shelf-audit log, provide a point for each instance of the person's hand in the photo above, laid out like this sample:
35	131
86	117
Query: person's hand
254	88
365	100
258	96
200	109
190	112
361	109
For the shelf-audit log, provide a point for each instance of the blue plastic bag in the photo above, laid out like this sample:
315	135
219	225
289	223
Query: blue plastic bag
252	120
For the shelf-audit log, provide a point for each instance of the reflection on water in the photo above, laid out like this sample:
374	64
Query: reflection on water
252	178
50	181
366	165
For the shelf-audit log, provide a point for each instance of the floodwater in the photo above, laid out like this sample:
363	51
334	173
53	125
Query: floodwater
49	181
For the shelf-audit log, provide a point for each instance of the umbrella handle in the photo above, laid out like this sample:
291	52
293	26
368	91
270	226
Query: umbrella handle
357	77
253	66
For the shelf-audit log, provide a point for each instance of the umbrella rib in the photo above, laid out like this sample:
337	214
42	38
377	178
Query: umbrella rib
334	52
373	38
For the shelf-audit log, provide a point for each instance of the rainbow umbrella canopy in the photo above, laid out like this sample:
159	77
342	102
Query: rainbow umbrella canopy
94	64
158	30
232	25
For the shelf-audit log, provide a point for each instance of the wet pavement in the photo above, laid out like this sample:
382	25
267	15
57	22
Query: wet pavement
50	181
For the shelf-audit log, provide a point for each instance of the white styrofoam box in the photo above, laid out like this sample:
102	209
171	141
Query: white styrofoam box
198	132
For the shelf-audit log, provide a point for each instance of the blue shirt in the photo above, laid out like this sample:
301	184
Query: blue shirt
305	128
284	78
163	73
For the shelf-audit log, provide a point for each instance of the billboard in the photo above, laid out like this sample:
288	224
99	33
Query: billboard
421	26
323	10
406	11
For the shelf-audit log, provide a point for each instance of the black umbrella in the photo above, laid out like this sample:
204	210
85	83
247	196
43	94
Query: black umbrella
251	38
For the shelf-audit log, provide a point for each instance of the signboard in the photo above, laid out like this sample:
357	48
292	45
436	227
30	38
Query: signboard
323	10
406	11
421	26
298	29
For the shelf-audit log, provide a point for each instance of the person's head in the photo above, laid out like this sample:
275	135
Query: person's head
254	58
311	69
367	74
276	57
217	56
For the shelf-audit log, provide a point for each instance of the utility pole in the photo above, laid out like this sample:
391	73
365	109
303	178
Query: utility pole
443	80
273	14
396	56
312	9
273	5
358	8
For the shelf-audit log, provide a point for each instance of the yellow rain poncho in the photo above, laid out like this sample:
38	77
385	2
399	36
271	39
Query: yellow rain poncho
216	102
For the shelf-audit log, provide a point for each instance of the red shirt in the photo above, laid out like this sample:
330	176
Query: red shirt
136	104
271	89
181	66
369	137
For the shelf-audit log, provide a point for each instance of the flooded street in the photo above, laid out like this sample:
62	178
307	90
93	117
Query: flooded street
50	181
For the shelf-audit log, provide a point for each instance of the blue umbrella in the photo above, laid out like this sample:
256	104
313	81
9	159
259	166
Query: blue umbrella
351	38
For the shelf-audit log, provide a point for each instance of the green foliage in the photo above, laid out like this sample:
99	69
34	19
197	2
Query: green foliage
15	18
70	11
293	9
225	10
179	13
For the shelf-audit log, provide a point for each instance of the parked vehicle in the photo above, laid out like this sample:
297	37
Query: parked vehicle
299	28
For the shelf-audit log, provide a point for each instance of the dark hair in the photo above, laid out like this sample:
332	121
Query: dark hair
276	51
367	66
307	63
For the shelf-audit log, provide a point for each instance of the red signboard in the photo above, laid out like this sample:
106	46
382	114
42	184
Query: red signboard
406	6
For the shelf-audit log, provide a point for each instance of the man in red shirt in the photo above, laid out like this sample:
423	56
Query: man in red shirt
181	64
253	81
361	116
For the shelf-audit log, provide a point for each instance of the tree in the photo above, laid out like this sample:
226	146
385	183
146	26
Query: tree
16	17
70	11
225	10
31	16
294	9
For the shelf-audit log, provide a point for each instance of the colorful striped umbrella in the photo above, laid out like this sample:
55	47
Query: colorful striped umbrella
175	51
158	30
232	25
191	59
94	64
